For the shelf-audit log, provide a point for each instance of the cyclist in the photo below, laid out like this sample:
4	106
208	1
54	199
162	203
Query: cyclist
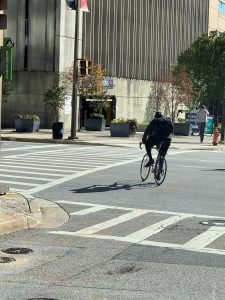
202	119
159	130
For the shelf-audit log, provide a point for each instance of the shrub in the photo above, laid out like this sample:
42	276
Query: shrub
28	117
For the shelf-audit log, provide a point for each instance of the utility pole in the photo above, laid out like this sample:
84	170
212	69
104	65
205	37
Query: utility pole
74	116
3	6
223	117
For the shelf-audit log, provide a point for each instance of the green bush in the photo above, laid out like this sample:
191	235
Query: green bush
28	117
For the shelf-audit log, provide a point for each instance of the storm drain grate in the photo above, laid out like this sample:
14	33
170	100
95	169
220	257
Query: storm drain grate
17	251
5	260
213	223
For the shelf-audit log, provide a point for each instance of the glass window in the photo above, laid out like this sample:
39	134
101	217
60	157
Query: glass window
221	7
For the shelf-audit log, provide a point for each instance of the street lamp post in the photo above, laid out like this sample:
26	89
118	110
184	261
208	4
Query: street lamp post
75	75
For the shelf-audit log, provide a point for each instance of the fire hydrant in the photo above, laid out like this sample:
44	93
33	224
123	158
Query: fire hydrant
215	136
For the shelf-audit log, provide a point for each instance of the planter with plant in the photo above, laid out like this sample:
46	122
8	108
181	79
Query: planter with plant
54	97
123	128
92	87
182	127
27	123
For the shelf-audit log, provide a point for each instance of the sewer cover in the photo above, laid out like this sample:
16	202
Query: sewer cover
17	251
5	260
213	223
42	299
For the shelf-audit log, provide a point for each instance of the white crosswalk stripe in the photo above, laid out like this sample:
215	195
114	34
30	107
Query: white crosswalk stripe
199	243
40	168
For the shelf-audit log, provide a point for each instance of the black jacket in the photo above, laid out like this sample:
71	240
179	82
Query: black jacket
156	129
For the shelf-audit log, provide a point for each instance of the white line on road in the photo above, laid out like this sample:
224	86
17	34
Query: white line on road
30	147
186	215
17	183
29	172
112	222
36	168
26	177
205	238
87	211
194	167
145	233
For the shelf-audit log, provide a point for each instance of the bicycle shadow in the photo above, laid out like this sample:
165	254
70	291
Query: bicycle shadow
120	185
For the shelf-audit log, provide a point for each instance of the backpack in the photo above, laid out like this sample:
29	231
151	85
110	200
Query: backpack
163	127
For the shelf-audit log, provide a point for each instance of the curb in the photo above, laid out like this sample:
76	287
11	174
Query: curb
28	214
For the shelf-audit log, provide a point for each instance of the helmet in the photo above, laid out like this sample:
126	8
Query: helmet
158	115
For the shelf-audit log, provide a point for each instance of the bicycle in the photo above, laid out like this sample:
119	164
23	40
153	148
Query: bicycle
159	168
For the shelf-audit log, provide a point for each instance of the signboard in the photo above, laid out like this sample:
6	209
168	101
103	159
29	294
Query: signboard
68	105
209	125
192	117
108	82
8	44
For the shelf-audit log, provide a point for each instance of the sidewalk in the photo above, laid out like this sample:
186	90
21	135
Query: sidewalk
17	212
103	138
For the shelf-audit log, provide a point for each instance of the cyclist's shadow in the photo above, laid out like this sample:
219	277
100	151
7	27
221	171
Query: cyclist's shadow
120	185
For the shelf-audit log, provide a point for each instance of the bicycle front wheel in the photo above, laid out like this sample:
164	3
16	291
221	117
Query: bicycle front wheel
144	171
160	170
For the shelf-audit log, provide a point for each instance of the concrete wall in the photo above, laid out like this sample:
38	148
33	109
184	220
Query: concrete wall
132	97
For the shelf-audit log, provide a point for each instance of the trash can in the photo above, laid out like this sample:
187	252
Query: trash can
57	130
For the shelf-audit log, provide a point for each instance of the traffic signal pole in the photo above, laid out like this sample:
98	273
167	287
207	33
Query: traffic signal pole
74	116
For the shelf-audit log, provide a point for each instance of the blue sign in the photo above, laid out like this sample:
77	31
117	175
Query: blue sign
108	82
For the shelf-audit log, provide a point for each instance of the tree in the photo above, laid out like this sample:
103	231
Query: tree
91	86
169	91
204	61
54	97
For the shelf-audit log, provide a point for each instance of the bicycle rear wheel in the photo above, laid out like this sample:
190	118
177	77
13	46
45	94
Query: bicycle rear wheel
160	170
144	171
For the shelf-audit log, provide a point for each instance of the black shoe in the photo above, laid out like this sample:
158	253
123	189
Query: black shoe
149	163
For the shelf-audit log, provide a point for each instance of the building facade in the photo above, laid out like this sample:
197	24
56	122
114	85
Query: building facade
135	40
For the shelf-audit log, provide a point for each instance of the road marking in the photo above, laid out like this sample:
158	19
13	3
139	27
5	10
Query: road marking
145	233
196	244
52	164
206	238
26	177
195	167
17	183
187	215
36	167
87	211
80	174
30	147
112	222
29	172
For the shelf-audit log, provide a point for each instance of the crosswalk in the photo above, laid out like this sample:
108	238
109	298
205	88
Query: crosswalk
42	168
201	240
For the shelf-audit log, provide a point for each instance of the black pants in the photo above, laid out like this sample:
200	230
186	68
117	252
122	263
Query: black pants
153	141
201	126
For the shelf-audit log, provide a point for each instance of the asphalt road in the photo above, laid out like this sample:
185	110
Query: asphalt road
125	239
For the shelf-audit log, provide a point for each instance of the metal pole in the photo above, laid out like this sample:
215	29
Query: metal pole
74	116
223	116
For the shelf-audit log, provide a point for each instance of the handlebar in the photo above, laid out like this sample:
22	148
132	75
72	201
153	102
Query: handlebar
140	145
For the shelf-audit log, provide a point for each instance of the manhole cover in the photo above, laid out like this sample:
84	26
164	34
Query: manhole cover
17	251
5	260
42	299
213	223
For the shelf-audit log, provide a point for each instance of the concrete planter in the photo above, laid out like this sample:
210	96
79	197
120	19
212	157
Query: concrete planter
120	129
141	128
181	128
27	125
94	124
